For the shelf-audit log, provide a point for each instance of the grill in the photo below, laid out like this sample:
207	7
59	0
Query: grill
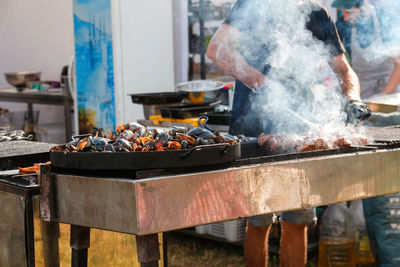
141	165
148	201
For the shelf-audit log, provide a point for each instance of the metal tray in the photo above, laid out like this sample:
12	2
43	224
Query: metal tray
187	111
134	161
219	118
251	149
158	98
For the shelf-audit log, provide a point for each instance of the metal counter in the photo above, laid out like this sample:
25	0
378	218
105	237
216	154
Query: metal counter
31	97
165	203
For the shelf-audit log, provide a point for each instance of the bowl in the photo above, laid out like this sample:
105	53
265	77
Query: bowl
20	79
201	91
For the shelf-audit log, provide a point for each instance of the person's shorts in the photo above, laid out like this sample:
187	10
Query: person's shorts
304	216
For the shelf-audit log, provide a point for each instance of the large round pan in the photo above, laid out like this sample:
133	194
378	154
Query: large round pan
201	91
198	156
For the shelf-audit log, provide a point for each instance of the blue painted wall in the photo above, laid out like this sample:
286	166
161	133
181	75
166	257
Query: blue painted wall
94	64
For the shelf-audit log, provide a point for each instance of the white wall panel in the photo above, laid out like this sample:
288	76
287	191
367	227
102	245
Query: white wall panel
143	52
36	35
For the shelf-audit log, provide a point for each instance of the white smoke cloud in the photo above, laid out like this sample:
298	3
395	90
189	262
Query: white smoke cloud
388	12
296	57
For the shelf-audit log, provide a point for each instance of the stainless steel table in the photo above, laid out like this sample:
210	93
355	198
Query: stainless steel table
17	193
31	97
169	202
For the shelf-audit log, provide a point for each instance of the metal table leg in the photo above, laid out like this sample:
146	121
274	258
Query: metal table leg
148	250
29	231
165	248
50	233
68	121
80	242
31	120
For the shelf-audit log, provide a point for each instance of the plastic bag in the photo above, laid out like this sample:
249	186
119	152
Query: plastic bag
364	255
337	237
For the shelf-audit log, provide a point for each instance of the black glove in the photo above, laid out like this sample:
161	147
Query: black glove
357	112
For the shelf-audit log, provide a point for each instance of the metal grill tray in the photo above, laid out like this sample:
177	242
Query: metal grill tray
187	111
251	150
158	98
390	134
134	161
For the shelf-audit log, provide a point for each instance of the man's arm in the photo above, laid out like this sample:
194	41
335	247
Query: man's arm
349	81
356	111
394	80
223	53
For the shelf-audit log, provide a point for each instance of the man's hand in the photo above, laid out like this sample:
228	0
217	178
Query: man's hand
263	87
357	112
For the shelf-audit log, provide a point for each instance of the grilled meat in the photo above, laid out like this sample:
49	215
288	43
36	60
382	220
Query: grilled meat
284	143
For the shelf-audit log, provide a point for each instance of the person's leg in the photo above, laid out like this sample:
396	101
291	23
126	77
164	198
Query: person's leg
256	241
294	237
256	245
382	215
293	244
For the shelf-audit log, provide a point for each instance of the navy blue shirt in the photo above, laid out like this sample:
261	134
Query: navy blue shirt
246	116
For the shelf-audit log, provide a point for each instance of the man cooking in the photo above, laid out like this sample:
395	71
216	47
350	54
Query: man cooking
365	30
366	34
249	46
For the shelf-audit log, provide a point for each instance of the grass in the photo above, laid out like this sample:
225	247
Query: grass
115	249
184	250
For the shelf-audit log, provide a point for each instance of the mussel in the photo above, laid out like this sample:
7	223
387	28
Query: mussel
134	127
162	137
109	148
177	129
185	137
149	145
173	145
84	144
71	146
98	132
99	143
122	145
202	142
185	144
127	135
230	139
58	148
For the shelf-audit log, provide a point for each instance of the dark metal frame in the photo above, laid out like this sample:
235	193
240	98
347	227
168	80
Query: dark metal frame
147	245
27	192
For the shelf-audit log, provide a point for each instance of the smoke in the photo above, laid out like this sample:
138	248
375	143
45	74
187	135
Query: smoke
388	13
296	97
